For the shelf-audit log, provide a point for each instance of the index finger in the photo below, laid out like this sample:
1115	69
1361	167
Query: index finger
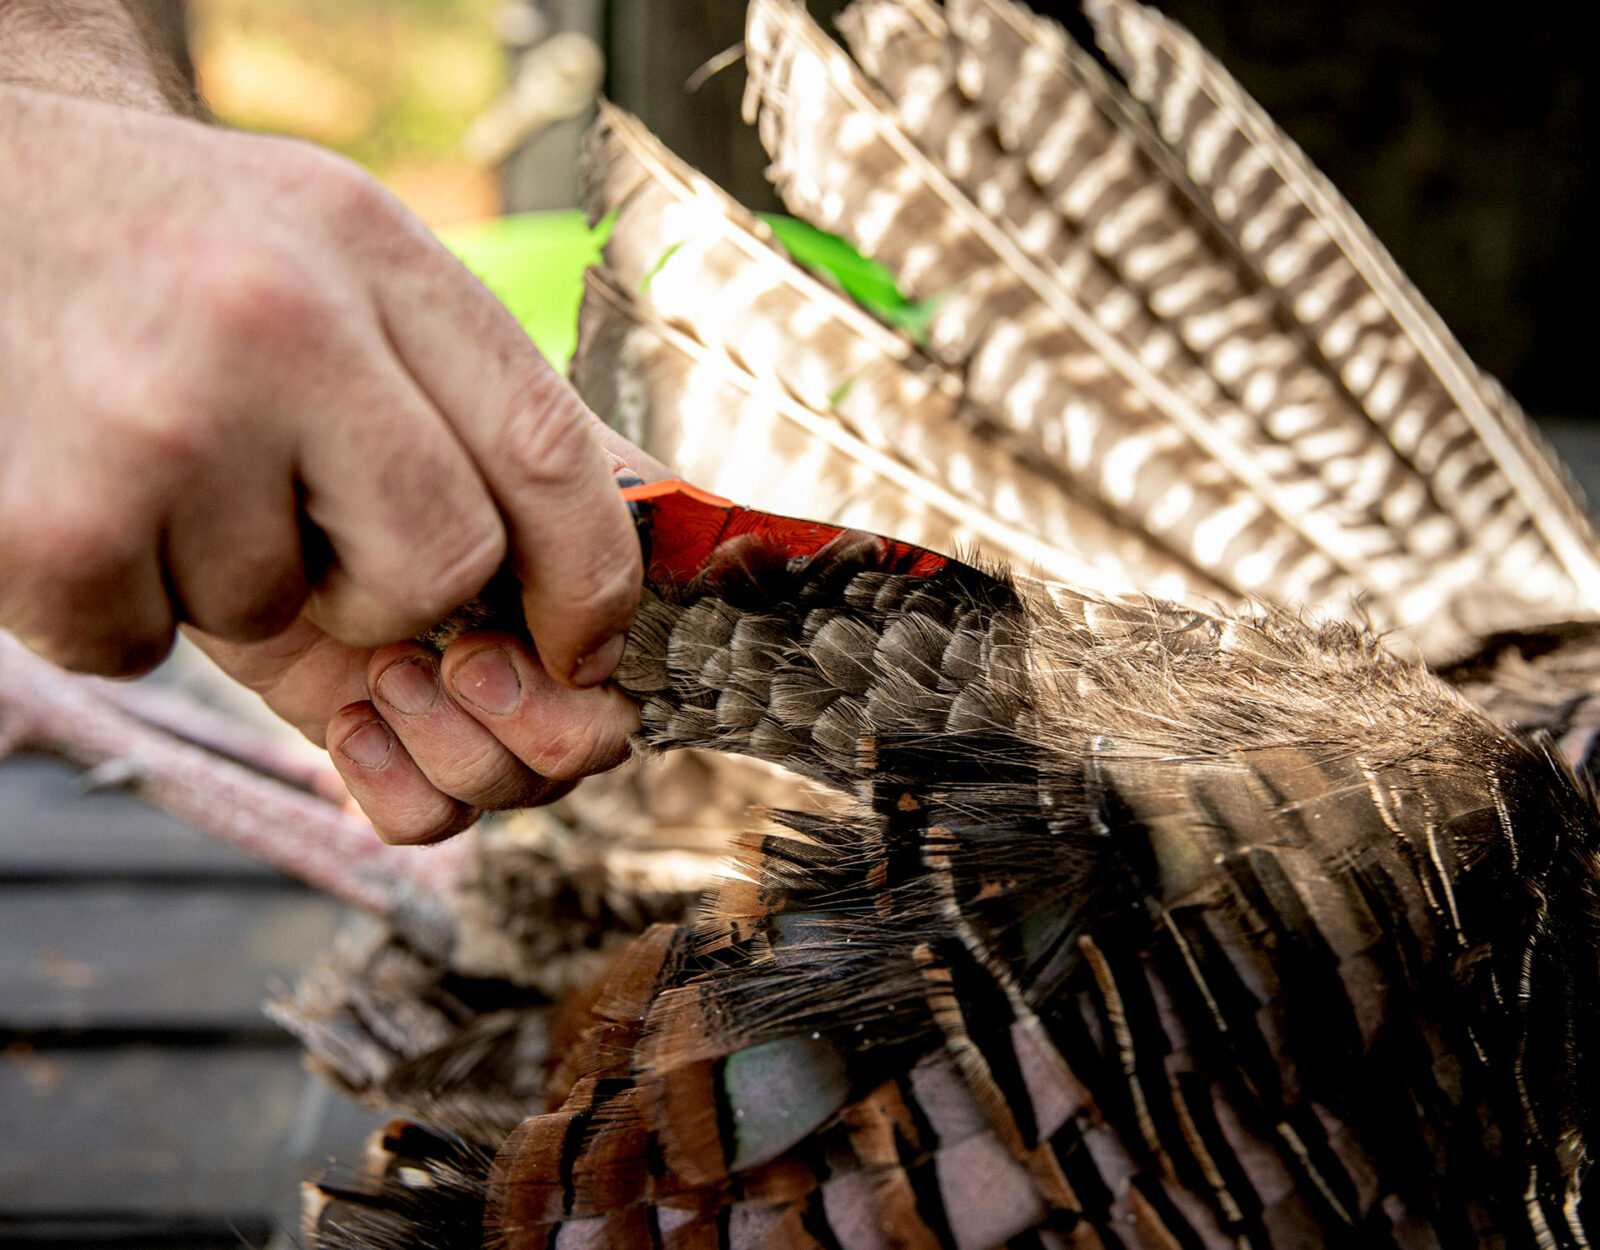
572	544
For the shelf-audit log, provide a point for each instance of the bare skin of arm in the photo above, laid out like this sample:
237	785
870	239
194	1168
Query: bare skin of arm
213	345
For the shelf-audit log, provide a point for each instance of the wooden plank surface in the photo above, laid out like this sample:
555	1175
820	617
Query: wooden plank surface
147	958
144	1098
159	1131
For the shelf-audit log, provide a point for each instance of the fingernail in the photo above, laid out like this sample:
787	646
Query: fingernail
489	682
597	666
370	746
410	686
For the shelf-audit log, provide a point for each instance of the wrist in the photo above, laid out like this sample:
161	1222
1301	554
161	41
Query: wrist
91	49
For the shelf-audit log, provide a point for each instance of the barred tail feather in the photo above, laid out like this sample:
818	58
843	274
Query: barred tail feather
1373	329
1029	126
692	261
840	157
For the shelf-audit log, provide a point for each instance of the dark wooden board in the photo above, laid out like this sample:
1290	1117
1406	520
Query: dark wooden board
145	1100
181	1134
149	958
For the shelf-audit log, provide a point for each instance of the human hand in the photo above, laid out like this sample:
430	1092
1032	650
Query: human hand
215	344
425	742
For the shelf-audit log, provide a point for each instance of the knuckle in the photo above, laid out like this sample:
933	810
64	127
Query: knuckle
74	541
466	567
605	590
569	755
247	608
424	824
482	776
545	792
128	654
437	581
108	652
156	419
76	591
248	291
347	196
543	442
336	194
520	788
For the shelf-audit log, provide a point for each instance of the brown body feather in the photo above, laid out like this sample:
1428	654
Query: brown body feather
1183	929
1137	926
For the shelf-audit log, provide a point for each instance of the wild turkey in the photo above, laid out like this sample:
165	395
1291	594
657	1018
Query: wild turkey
1135	922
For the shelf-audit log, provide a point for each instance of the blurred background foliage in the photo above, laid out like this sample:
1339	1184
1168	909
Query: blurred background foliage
391	83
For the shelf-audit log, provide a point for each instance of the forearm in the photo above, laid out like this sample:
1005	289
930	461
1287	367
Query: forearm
96	49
